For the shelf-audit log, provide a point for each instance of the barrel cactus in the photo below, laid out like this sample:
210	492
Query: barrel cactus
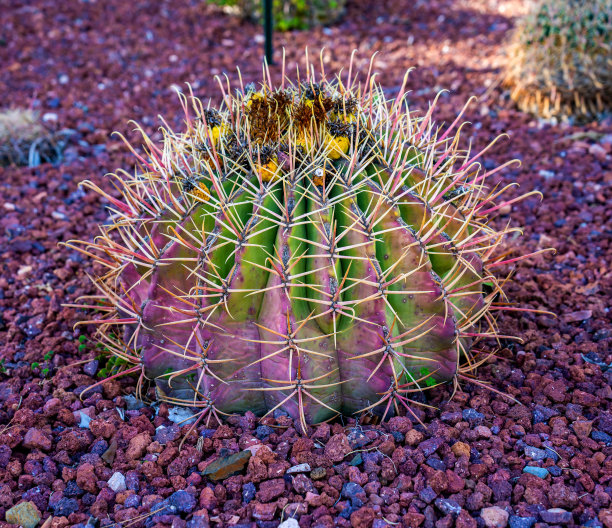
560	59
310	247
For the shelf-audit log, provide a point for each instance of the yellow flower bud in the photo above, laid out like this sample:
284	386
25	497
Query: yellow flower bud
337	146
269	171
201	193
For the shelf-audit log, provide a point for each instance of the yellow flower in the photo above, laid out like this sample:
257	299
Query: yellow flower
216	132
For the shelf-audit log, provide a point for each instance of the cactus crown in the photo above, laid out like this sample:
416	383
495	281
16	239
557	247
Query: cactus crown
560	58
313	247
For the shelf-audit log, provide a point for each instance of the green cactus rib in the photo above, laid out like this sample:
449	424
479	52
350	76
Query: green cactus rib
314	248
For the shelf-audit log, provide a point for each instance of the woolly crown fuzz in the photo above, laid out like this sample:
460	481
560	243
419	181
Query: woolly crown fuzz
312	247
560	58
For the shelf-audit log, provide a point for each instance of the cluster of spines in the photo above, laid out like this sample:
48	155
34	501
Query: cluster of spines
152	229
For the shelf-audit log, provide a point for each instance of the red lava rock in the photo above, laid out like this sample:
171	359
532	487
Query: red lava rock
111	388
555	391
401	424
362	518
465	520
86	478
208	499
605	516
270	489
36	439
337	447
52	406
560	496
413	519
138	446
301	445
302	484
264	512
123	516
102	428
75	440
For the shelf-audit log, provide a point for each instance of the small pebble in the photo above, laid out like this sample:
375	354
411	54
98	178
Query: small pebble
494	517
25	514
427	495
318	473
183	501
556	516
521	522
117	482
534	453
300	468
537	471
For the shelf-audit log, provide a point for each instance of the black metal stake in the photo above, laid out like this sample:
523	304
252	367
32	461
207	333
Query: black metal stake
268	21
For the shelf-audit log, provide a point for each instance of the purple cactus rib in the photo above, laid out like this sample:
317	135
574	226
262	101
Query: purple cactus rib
365	381
299	363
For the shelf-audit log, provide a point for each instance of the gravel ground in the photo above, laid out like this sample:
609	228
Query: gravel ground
481	460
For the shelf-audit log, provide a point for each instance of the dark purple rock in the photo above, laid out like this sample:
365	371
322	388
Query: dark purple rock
473	416
65	507
263	431
167	434
183	501
355	493
248	492
72	489
99	447
605	422
133	501
436	463
542	414
132	480
556	516
600	436
427	495
521	522
91	368
448	506
429	447
5	455
198	522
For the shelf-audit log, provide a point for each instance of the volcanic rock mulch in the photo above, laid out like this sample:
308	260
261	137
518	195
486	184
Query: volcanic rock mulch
480	460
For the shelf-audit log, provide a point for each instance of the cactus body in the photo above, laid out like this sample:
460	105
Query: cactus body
313	248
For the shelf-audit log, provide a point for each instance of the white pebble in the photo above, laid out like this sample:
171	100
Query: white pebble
117	482
300	468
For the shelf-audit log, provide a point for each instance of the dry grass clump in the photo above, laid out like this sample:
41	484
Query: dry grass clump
24	140
560	59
